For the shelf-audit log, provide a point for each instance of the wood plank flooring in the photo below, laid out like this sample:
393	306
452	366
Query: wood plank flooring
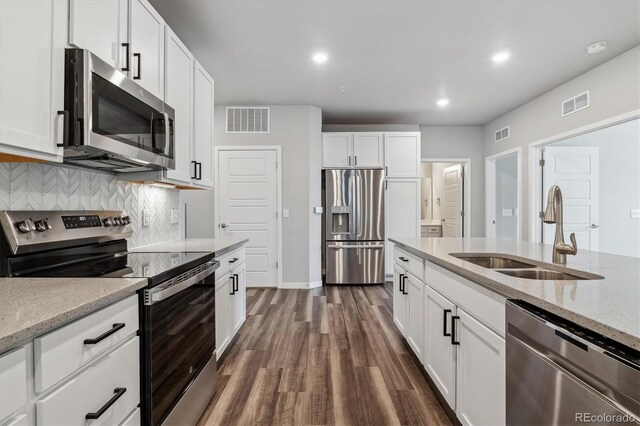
327	356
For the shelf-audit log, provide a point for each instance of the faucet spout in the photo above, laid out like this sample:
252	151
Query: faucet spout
553	214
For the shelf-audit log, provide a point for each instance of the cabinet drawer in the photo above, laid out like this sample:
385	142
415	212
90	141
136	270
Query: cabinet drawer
64	350
13	381
230	260
94	389
410	262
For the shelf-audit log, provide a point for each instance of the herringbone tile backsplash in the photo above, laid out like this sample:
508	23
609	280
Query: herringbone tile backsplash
30	186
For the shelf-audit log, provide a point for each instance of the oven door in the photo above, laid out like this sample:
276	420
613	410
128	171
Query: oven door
178	344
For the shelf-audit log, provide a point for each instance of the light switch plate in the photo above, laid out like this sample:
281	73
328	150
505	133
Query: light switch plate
635	213
146	217
317	210
285	212
507	212
175	216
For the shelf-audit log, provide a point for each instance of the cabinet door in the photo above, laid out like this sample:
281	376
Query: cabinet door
223	311
239	298
439	354
33	37
178	90
399	299
480	367
101	27
147	47
337	150
415	300
402	154
368	150
203	126
13	381
402	212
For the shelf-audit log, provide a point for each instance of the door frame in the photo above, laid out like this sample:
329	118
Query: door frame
466	183
216	215
490	193
535	171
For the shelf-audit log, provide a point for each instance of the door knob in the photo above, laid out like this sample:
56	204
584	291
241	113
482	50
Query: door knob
594	226
223	225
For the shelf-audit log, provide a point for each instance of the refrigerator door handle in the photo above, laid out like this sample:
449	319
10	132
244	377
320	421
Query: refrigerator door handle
379	246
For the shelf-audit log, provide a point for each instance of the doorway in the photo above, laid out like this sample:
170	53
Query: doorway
444	198
247	201
503	177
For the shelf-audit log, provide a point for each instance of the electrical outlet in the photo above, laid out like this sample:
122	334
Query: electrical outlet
175	216
146	217
285	212
635	213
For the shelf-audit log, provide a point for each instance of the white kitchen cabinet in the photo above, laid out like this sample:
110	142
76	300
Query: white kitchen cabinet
402	154
400	303
147	47
337	150
439	354
178	94
33	36
203	110
368	150
402	213
13	382
480	373
224	287
239	297
415	297
231	297
102	28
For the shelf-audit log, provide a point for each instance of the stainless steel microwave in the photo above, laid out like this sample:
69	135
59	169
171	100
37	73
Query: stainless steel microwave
111	123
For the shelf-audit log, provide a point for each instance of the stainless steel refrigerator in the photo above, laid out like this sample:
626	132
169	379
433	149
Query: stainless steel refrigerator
353	206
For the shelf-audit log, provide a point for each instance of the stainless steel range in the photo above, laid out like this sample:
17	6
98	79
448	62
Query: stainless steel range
177	308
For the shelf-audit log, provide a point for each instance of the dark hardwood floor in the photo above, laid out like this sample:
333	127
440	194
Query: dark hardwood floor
330	355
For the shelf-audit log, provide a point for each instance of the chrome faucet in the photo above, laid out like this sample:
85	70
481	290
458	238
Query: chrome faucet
553	214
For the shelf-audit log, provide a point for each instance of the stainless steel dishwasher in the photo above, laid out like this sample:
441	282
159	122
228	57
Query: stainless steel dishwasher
559	373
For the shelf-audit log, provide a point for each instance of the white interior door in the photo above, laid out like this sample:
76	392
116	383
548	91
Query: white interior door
575	170
248	206
452	225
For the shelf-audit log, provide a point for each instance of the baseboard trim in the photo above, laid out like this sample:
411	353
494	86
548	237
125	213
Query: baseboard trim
300	285
315	284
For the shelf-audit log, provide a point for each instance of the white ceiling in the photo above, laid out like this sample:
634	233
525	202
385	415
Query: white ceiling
397	57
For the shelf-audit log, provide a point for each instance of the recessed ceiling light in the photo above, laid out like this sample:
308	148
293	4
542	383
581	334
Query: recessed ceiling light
501	56
596	47
442	102
320	57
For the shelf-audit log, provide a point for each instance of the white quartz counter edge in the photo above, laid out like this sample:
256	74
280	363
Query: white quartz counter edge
208	245
512	293
30	307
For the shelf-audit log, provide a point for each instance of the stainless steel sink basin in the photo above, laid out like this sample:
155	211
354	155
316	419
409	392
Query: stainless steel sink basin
541	274
493	262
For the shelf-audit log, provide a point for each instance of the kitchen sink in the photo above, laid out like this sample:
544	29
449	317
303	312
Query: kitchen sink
493	262
540	274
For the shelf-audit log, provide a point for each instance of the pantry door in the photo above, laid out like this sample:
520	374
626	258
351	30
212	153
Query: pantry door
247	207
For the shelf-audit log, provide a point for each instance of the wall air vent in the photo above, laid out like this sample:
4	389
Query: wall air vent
248	119
575	104
502	134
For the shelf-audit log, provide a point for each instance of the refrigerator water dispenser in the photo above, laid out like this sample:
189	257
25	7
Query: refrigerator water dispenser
340	220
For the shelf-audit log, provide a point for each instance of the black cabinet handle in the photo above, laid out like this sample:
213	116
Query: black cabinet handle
233	285
400	283
236	283
118	393
444	322
355	160
65	128
100	338
235	259
127	67
404	259
139	56
453	330
199	167
404	285
195	170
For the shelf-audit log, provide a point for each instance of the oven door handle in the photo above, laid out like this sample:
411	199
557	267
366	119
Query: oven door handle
164	291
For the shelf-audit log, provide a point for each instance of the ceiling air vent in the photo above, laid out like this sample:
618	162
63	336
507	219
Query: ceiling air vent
248	119
576	104
502	134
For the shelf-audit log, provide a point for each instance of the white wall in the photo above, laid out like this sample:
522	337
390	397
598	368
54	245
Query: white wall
619	166
296	128
460	142
614	88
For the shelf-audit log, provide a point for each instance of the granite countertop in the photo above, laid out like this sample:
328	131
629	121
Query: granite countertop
30	307
609	306
208	245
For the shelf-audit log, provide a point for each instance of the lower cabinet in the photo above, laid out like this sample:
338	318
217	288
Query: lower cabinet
415	336
231	298
400	305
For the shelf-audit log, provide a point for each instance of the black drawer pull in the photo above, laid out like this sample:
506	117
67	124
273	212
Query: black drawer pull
235	283
404	259
453	330
444	323
118	393
100	338
235	259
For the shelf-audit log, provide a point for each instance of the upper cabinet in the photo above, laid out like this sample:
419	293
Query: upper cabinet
33	37
202	150
352	150
101	27
402	154
337	149
147	47
368	150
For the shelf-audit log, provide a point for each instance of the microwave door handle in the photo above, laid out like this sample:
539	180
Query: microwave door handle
167	134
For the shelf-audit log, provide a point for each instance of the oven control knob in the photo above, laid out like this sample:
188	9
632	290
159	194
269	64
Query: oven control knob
25	226
126	220
42	225
117	221
107	221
